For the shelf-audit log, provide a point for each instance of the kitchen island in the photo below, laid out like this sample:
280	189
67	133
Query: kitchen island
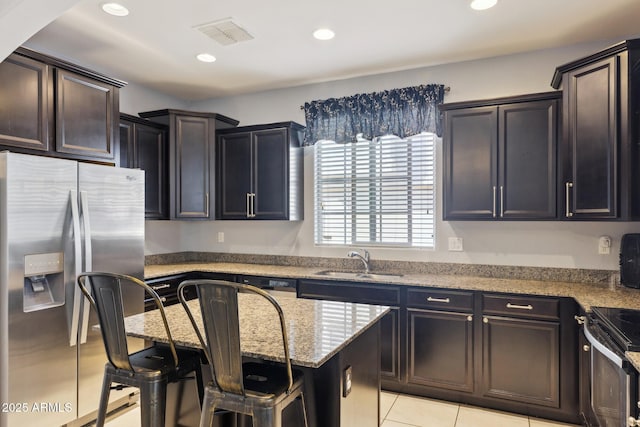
325	338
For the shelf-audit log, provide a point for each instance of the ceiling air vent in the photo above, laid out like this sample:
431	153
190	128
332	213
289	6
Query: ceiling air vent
225	32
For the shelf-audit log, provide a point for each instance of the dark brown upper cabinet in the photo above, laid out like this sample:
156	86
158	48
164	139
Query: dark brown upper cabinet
599	151
55	108
143	145
260	172
25	105
86	116
192	138
500	158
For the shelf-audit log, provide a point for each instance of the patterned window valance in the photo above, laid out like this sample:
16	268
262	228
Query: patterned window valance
401	112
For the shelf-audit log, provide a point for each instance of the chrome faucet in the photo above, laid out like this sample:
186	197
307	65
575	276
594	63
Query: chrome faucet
364	259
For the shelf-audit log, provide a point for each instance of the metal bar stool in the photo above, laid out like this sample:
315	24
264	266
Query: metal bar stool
260	390
150	369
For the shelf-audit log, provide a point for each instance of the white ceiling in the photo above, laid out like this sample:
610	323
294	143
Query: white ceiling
156	44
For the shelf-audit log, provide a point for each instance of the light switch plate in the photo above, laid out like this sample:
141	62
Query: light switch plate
455	244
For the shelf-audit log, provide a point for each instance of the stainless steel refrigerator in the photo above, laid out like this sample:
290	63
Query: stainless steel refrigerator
59	218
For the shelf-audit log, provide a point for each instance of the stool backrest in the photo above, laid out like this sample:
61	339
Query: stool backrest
104	292
218	301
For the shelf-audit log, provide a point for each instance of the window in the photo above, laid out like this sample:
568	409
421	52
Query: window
378	192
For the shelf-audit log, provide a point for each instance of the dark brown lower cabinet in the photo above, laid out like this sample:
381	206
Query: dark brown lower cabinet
440	349
389	346
521	360
510	352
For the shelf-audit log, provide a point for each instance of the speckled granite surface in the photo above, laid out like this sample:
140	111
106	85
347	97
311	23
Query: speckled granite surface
586	294
634	358
407	267
317	329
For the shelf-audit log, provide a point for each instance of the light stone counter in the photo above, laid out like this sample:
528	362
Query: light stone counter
586	294
317	329
634	358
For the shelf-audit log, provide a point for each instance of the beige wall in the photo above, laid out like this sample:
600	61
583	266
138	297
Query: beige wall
20	19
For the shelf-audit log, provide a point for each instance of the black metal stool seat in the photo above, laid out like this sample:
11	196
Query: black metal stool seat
150	369
261	390
158	360
262	379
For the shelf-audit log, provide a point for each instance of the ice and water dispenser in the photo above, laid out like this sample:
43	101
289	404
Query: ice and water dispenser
43	281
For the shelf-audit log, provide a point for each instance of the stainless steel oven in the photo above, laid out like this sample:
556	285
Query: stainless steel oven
614	381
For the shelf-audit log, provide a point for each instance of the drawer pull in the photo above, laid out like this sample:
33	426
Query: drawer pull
443	300
469	318
163	286
520	307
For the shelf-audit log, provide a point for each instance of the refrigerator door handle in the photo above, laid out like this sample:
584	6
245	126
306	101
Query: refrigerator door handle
77	254
88	262
84	204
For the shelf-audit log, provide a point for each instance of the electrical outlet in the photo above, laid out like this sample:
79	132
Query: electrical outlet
604	245
347	376
220	236
455	244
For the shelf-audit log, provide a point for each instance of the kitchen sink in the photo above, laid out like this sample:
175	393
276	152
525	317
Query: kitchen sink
352	275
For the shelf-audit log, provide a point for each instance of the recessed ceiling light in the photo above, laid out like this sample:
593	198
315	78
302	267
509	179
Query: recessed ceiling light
115	9
205	57
483	4
324	34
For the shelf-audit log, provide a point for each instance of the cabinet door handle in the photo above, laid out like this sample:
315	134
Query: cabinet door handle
252	212
443	300
206	204
469	318
520	307
501	201
485	320
580	319
248	205
494	201
162	286
567	186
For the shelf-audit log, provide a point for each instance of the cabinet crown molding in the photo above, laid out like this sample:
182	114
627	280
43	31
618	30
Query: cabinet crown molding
60	63
625	45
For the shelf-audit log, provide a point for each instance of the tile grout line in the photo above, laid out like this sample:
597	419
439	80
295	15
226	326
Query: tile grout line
395	399
457	415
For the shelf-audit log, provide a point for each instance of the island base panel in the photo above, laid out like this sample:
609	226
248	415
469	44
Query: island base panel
361	407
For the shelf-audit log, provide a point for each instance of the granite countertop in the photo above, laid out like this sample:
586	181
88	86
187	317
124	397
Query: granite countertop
634	358
317	330
586	294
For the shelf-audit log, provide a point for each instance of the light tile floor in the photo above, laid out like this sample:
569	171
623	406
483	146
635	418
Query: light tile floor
398	410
